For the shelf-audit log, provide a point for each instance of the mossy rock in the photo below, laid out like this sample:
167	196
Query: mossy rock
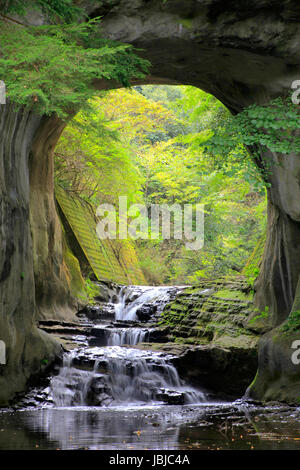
76	281
278	377
233	295
199	316
109	260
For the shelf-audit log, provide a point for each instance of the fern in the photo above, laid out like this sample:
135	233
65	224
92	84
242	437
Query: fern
64	10
52	69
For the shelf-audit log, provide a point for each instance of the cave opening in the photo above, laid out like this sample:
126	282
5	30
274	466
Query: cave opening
150	145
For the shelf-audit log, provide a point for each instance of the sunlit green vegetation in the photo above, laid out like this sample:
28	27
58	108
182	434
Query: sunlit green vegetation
153	144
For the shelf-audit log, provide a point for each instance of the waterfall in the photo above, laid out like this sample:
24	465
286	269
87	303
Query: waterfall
69	388
112	371
122	375
126	309
127	336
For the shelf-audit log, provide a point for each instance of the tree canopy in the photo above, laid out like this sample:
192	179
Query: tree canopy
51	69
148	144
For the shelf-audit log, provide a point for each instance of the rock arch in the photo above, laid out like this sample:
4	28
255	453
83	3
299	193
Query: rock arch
241	54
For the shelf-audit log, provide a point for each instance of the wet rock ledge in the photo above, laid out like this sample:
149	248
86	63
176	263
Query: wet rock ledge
206	328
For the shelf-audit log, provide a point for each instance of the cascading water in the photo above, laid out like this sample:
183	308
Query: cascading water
107	336
112	395
69	388
129	336
130	300
113	373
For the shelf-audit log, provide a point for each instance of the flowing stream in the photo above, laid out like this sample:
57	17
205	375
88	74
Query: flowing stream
111	393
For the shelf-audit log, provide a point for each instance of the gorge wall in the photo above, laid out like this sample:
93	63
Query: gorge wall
26	346
241	53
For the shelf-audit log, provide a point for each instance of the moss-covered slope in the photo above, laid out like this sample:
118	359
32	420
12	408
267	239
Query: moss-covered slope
110	260
212	312
207	326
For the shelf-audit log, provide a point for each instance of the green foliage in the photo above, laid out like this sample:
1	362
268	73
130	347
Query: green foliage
92	291
264	314
176	170
152	268
65	10
262	128
252	273
93	162
252	267
51	69
145	143
292	323
201	111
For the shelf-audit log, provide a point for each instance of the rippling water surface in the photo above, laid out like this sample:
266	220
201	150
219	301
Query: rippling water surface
218	426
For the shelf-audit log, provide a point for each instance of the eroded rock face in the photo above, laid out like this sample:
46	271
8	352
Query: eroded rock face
210	322
221	369
276	285
51	275
278	376
240	52
26	346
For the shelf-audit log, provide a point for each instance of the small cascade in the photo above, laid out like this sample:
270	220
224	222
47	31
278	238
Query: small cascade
107	336
111	372
69	388
133	298
100	376
127	336
137	376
